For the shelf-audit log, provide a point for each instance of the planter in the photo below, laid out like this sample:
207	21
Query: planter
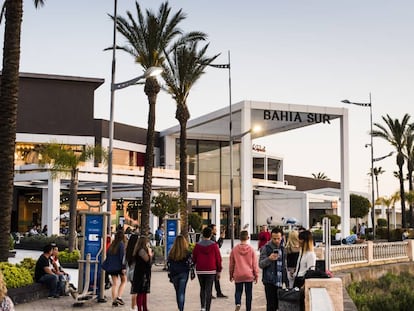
12	253
28	293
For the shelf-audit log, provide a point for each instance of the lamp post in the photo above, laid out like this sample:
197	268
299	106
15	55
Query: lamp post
231	216
372	159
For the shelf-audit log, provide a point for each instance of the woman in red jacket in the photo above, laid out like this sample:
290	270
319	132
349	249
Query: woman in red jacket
243	270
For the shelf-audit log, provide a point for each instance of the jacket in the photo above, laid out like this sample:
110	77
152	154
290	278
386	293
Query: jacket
269	266
206	257
243	264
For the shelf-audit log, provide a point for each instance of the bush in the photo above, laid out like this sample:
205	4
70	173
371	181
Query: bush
37	242
29	264
66	257
15	276
388	293
381	222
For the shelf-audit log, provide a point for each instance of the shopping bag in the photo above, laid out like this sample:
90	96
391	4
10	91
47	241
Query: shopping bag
289	294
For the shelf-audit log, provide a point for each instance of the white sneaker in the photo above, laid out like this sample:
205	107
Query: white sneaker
238	307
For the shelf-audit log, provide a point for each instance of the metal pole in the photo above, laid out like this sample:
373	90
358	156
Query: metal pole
111	123
231	163
372	171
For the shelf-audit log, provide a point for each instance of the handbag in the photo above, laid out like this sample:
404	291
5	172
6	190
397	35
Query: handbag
289	295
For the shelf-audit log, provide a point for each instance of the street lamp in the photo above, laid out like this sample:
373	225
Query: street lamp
372	159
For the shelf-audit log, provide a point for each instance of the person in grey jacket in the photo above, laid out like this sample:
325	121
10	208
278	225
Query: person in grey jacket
273	263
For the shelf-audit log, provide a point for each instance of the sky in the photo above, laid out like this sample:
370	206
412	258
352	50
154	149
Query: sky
313	52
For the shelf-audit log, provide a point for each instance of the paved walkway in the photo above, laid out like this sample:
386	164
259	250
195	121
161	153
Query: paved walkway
162	297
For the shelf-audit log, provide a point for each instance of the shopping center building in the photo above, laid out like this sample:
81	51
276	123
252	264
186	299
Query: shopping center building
60	109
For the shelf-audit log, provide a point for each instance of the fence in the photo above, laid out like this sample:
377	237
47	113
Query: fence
370	254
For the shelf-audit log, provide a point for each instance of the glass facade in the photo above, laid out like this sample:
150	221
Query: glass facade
209	161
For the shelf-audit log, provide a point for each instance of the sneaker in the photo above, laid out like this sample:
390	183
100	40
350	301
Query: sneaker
213	297
120	301
221	295
115	304
237	308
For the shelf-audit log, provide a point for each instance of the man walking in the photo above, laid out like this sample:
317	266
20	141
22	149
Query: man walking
273	262
207	261
219	243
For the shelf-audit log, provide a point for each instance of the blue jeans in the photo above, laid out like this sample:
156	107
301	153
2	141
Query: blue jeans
206	286
51	281
248	286
180	284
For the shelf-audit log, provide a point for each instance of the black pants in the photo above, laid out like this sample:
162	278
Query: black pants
272	302
218	287
206	287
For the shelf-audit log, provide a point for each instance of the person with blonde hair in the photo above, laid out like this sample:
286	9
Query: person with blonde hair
292	254
179	264
6	304
141	282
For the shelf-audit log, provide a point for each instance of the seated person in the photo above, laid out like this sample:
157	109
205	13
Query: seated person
44	273
57	269
352	239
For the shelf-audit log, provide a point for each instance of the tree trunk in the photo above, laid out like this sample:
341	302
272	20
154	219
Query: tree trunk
410	188
182	115
400	163
73	202
8	116
151	89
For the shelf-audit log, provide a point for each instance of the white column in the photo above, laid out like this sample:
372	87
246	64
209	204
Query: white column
345	208
246	174
51	206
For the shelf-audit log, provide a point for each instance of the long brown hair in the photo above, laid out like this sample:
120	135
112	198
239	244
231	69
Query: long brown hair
119	238
179	250
306	237
129	253
140	244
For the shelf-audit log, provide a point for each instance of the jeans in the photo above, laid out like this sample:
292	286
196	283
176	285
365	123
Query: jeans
51	281
272	302
248	286
180	284
206	286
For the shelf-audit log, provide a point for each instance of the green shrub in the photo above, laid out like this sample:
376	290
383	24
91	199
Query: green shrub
15	276
388	293
66	257
29	264
37	242
381	222
158	251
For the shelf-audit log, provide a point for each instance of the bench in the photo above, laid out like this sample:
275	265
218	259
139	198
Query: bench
28	293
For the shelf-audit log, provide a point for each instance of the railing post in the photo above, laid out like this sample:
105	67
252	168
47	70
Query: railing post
370	250
410	249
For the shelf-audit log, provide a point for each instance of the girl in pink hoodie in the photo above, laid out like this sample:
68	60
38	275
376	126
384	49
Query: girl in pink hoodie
243	270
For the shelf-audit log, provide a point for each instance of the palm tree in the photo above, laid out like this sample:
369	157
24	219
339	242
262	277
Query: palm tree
320	176
9	93
394	133
387	202
184	65
148	37
409	156
65	160
377	171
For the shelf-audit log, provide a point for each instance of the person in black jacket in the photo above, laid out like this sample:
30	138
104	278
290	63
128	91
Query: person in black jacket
179	264
219	243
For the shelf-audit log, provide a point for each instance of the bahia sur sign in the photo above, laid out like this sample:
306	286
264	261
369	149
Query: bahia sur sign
294	116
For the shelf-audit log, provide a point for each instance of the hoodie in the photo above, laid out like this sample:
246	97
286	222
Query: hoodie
243	264
206	257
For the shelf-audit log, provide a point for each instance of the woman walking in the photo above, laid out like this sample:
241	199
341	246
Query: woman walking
292	254
307	257
116	267
141	282
130	267
179	264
